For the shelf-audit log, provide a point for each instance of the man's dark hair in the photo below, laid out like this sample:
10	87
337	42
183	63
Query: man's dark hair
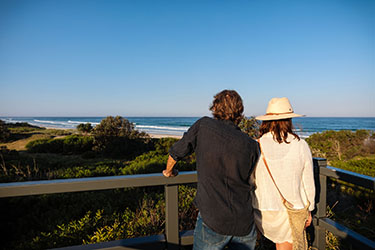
227	105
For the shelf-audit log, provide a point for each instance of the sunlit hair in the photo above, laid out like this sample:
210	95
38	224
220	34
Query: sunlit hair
227	105
279	128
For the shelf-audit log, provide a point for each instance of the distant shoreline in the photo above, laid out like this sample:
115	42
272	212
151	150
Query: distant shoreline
152	135
159	127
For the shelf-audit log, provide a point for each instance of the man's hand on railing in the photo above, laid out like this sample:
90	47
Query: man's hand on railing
172	173
169	170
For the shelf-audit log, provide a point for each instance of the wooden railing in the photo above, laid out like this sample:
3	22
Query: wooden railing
173	239
321	222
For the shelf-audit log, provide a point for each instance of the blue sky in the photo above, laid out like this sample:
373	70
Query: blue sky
168	58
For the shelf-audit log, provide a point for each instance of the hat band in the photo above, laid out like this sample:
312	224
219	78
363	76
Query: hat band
280	113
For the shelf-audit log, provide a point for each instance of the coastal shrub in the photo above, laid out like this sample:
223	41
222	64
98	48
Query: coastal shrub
85	127
341	145
23	218
363	165
45	146
88	155
6	155
58	132
4	132
187	212
87	171
21	167
154	162
77	144
250	126
147	218
72	144
117	137
163	145
145	165
22	125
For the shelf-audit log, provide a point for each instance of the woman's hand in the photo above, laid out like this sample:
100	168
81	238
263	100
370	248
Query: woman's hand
308	221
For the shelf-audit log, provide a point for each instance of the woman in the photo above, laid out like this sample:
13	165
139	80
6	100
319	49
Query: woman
290	163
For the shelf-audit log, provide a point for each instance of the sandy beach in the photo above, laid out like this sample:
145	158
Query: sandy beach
165	136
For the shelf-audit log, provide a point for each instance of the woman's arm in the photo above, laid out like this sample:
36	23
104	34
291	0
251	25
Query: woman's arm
308	175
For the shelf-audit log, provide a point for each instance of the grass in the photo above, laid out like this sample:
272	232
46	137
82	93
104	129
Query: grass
22	136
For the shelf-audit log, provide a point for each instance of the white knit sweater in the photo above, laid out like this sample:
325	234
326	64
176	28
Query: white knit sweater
291	167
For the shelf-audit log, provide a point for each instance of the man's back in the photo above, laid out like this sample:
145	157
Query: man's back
225	160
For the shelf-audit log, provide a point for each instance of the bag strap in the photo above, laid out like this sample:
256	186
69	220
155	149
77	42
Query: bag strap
265	163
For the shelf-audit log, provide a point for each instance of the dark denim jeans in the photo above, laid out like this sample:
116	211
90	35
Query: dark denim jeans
207	239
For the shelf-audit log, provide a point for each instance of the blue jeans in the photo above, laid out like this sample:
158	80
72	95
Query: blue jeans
207	239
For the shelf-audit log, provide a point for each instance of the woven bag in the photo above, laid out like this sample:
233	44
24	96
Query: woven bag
297	220
297	217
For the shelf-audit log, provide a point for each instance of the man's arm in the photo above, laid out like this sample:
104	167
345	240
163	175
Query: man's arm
182	148
169	170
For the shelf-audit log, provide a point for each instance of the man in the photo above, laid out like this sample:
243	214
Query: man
226	158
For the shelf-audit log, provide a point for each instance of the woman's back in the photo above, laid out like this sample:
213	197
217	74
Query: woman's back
291	167
290	163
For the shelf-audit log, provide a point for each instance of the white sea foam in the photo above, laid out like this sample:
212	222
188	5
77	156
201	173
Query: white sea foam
161	127
50	122
54	124
80	122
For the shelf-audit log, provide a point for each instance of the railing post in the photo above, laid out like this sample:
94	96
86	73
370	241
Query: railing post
171	216
321	206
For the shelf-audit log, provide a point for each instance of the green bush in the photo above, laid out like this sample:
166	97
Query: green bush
250	126
72	144
85	127
4	132
341	145
163	145
364	165
45	146
76	144
147	218
117	137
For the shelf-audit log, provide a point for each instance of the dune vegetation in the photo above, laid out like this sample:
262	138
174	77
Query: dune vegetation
114	147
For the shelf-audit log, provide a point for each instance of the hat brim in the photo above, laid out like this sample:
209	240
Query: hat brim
277	117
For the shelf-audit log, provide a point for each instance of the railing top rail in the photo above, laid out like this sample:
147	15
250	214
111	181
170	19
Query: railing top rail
14	189
141	180
348	176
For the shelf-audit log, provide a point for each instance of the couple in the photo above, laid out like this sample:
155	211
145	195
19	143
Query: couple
235	190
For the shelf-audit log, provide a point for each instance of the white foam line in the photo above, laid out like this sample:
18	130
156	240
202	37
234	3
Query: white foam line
79	122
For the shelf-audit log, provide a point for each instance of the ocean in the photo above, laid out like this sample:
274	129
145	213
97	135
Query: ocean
305	126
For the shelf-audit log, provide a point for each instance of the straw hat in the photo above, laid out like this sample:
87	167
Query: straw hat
278	108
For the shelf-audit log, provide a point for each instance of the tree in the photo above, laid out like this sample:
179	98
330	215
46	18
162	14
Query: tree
4	132
84	127
117	136
250	126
